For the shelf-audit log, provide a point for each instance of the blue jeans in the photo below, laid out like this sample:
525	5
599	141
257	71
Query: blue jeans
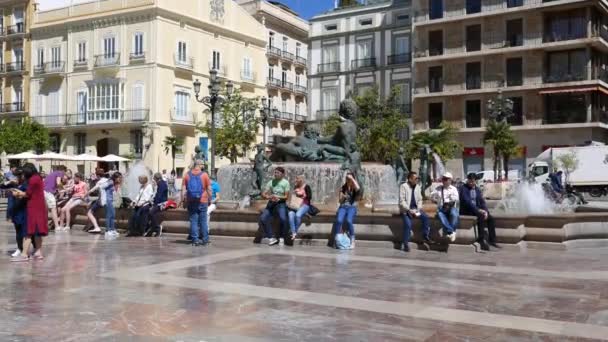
345	213
295	218
266	219
407	226
110	217
449	220
199	230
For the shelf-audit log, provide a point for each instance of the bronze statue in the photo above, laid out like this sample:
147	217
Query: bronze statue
199	155
261	163
301	148
425	178
400	166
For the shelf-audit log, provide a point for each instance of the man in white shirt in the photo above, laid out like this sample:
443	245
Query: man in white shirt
141	206
410	205
447	200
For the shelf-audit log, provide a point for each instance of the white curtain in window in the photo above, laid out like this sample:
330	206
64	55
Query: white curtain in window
330	99
247	73
109	47
81	106
364	49
182	99
402	45
52	103
330	54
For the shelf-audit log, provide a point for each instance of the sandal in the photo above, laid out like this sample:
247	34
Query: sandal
20	258
38	257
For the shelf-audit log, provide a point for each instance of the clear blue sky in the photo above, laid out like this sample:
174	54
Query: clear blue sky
305	8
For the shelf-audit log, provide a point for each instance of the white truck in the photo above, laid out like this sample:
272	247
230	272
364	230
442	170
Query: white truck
591	174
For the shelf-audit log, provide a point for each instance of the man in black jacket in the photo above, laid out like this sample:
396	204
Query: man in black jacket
472	203
160	197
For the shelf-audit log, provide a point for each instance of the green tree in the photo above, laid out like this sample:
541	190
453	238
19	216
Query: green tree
23	135
568	163
498	134
441	141
173	144
330	125
236	130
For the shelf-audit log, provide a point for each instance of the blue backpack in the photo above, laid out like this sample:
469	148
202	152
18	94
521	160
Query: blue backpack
194	187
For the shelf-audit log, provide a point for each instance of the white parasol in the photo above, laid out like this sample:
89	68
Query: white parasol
111	158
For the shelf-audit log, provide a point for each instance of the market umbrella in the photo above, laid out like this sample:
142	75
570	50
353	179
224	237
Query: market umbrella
24	155
112	158
86	157
54	156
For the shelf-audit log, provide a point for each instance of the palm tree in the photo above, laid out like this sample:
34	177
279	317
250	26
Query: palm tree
172	144
499	135
441	141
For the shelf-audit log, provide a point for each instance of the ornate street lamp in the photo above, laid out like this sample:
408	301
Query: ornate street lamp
213	101
267	113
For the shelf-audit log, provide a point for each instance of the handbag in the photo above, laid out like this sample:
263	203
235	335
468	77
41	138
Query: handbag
313	211
295	202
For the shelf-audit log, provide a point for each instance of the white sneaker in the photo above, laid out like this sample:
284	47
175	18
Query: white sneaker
272	241
452	237
281	242
352	245
16	253
114	233
264	241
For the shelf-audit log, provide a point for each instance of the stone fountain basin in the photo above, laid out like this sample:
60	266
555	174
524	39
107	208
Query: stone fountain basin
555	231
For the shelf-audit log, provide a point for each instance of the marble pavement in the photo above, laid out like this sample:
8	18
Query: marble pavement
146	289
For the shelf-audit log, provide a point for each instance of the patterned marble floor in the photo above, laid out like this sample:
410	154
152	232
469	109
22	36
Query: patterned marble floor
136	289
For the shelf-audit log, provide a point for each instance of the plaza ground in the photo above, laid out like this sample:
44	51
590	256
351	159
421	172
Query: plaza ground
147	289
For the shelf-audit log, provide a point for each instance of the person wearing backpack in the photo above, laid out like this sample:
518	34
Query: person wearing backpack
196	196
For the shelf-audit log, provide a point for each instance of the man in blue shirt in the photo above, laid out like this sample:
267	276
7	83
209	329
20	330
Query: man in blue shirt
160	197
472	203
215	197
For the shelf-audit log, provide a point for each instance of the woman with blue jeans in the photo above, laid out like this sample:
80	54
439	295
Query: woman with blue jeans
349	194
303	195
110	188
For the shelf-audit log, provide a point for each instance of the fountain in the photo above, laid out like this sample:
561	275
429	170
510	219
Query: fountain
529	199
131	184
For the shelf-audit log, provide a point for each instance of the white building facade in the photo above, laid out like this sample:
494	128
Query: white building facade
117	76
353	49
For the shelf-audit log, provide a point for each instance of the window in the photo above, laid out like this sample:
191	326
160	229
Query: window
81	106
271	39
565	26
435	9
109	47
137	143
402	19
514	72
514	3
137	100
247	69
565	108
18	97
364	49
473	6
515	32
473	38
181	52
298	79
473	75
80	142
52	103
473	113
436	79
18	56
331	27
40	59
402	45
216	63
182	100
436	43
435	115
270	71
54	142
82	52
365	22
566	66
330	54
104	102
518	112
297	109
284	76
285	44
138	44
284	106
403	97
55	56
330	99
18	19
298	50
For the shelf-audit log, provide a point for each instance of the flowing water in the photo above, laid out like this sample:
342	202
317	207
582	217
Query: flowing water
439	167
379	181
529	199
131	180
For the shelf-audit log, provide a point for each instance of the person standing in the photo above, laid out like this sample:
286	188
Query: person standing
410	205
141	206
16	211
446	197
215	197
276	192
472	203
52	183
113	197
37	214
196	195
299	205
348	196
160	198
171	184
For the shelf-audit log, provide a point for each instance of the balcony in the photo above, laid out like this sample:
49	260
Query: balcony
16	31
183	62
12	108
325	114
364	63
222	70
326	68
247	76
286	116
274	52
287	86
564	75
300	118
300	61
137	56
577	30
16	68
101	117
402	58
107	60
300	89
50	69
183	118
274	83
288	56
81	64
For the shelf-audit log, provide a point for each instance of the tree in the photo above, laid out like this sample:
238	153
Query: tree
236	126
568	163
173	144
504	144
23	135
441	141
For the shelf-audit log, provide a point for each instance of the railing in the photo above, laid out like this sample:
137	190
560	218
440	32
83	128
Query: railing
436	86
553	76
300	89
301	60
15	29
274	51
287	85
274	82
50	68
222	69
183	62
81	63
100	117
286	116
248	76
183	117
137	56
363	63
577	30
473	82
328	67
107	60
288	56
12	107
300	118
402	58
324	114
15	67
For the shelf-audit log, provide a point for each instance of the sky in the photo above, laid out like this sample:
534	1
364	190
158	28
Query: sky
305	8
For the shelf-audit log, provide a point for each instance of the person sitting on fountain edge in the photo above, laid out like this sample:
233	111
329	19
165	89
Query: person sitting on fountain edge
472	203
276	192
446	197
410	205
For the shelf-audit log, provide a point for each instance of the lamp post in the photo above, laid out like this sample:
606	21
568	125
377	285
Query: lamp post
212	102
266	114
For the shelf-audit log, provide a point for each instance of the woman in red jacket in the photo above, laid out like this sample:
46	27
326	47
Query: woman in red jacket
37	214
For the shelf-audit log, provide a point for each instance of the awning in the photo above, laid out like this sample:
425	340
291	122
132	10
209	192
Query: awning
569	90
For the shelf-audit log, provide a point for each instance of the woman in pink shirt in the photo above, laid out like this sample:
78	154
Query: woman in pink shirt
79	194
